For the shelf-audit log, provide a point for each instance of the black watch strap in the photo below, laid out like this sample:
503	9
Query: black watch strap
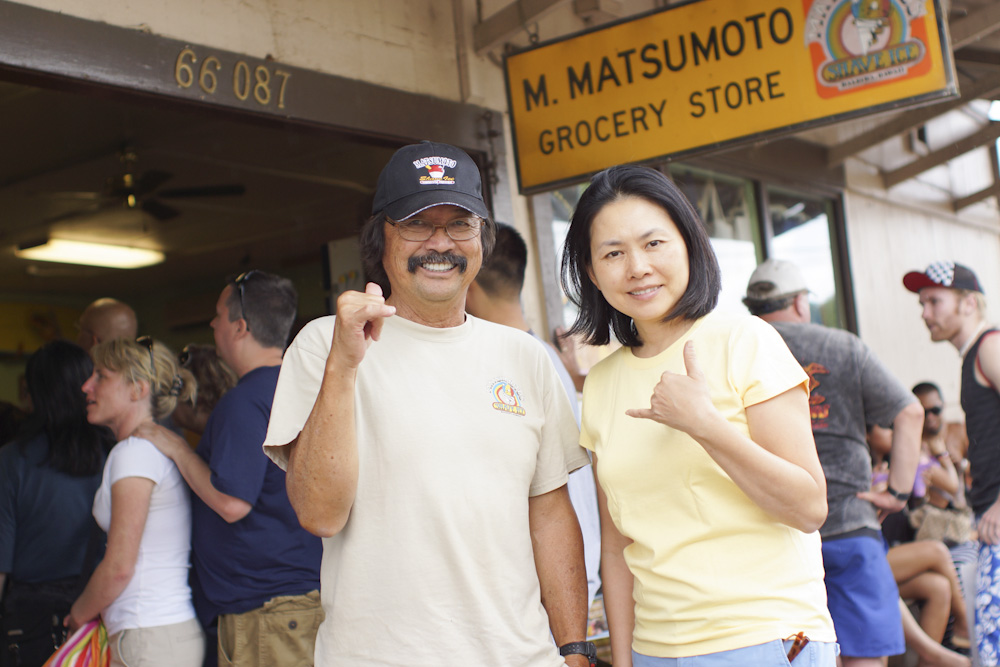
896	494
588	649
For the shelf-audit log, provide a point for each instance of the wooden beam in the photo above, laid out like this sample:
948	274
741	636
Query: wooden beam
975	26
510	20
992	190
982	87
987	134
596	12
44	48
976	197
981	56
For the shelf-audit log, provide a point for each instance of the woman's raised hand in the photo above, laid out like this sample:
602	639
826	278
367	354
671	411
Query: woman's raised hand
679	401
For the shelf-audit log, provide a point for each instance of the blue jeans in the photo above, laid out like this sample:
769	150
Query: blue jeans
771	654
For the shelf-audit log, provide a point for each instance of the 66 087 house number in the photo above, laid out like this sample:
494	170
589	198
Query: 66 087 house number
265	85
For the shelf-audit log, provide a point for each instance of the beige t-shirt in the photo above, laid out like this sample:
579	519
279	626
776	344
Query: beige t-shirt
457	427
713	571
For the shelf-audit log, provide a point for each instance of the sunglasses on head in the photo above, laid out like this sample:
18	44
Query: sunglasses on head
240	279
147	342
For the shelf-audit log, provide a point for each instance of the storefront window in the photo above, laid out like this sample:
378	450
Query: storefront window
799	228
802	235
563	204
726	206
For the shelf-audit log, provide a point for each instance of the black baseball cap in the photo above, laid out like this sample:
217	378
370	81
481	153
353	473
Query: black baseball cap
428	174
943	274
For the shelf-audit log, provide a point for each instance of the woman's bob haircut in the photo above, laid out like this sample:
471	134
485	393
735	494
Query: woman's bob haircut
597	319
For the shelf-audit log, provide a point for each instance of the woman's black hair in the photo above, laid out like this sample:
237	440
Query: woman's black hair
55	375
597	319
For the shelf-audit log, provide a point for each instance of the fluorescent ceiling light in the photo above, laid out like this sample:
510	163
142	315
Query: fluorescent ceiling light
91	254
994	112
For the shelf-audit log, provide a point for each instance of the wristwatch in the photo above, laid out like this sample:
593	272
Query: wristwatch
896	494
583	648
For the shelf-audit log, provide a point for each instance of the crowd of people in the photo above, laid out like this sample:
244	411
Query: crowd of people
193	554
413	481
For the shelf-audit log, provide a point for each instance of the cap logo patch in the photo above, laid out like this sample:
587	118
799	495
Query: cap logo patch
943	273
506	398
435	167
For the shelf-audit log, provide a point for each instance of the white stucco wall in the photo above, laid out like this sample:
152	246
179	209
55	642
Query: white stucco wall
409	45
886	239
910	225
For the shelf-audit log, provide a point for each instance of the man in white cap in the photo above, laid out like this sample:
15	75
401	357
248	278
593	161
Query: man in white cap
954	310
431	449
849	389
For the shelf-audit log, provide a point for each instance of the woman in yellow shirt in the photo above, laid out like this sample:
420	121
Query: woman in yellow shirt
710	488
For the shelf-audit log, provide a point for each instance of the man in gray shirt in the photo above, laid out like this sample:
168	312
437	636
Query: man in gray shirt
849	390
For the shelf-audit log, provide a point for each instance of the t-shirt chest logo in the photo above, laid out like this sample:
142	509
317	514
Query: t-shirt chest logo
436	170
506	398
819	408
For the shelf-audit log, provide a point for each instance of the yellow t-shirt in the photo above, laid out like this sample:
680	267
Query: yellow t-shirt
713	571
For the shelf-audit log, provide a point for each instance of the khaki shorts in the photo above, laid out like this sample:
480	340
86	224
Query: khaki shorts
281	633
176	645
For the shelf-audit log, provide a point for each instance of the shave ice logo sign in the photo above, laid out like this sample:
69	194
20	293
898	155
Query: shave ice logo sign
859	43
433	170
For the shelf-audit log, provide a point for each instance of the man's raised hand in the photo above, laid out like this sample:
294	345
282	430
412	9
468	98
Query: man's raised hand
360	316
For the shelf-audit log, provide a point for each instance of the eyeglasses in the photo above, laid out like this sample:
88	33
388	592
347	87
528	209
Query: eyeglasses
240	279
936	410
462	229
147	342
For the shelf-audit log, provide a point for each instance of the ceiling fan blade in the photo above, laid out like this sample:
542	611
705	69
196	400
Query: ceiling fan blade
151	180
159	210
66	194
226	190
88	210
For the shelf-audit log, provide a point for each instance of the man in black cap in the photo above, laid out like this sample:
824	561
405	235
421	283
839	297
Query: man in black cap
954	309
431	450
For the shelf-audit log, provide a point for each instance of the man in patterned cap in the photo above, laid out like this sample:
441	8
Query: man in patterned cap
954	310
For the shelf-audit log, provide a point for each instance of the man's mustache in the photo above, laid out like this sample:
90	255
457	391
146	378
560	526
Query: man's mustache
437	258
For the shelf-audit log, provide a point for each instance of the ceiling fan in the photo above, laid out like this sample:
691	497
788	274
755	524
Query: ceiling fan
131	190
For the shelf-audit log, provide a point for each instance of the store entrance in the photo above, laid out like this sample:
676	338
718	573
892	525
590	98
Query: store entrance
216	194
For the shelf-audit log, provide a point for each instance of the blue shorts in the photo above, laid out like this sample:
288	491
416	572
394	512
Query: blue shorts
863	598
988	604
771	654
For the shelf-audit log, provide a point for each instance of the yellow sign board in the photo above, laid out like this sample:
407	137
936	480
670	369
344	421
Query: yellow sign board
694	77
24	327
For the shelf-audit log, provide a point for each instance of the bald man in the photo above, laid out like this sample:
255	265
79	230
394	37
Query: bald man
106	319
